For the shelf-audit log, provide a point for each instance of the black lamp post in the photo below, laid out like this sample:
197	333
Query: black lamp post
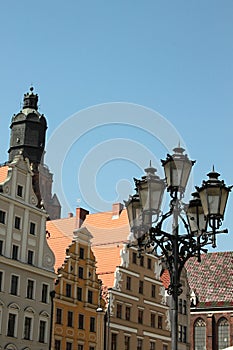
206	209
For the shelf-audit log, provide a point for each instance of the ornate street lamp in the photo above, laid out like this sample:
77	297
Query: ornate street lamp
146	219
195	215
177	169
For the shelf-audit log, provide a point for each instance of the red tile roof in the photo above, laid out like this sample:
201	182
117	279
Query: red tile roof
212	279
107	257
3	173
60	236
106	231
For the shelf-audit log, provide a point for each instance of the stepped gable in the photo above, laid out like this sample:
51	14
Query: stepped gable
212	278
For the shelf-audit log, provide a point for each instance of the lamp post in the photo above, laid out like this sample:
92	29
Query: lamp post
205	210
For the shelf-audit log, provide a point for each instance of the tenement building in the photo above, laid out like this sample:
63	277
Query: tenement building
211	284
78	312
137	312
26	261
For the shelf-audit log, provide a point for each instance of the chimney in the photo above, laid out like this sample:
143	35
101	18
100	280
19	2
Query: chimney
116	210
80	216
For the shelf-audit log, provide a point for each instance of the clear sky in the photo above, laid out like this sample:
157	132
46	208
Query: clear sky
168	64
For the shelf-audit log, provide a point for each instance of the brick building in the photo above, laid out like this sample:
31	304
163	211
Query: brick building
211	283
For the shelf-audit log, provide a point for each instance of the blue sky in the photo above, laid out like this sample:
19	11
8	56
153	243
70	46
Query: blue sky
174	58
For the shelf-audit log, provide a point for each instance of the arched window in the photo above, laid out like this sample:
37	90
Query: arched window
199	335
223	333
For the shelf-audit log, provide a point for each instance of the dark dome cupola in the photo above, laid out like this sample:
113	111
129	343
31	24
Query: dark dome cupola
28	129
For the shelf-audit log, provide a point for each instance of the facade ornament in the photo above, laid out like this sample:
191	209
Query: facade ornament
168	320
163	295
124	253
117	279
157	269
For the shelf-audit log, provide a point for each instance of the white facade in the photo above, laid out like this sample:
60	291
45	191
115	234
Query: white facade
26	263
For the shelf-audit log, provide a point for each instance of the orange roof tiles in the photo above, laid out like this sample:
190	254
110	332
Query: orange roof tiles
107	258
106	232
3	173
105	229
60	236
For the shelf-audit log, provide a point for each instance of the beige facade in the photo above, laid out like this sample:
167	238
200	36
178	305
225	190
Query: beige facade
138	314
26	263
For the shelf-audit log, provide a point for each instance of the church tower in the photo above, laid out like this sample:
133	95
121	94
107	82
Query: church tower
28	129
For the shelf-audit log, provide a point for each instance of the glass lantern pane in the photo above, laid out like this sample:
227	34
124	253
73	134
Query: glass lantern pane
213	195
224	198
204	201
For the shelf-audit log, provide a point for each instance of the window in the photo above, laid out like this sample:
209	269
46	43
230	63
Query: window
184	307
81	253
30	257
149	263
70	319
180	306
91	348
68	345
160	322
152	345
30	289
134	258
32	228
57	344
114	341
11	325
199	334
179	333
140	289
27	328
58	316
127	342
42	328
153	290
92	324
140	316
2	217
15	251
80	321
142	261
127	313
80	347
119	311
223	333
79	293
20	191
128	283
1	281
80	272
184	334
1	247
139	344
165	347
14	284
90	297
68	290
17	223
44	295
152	320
